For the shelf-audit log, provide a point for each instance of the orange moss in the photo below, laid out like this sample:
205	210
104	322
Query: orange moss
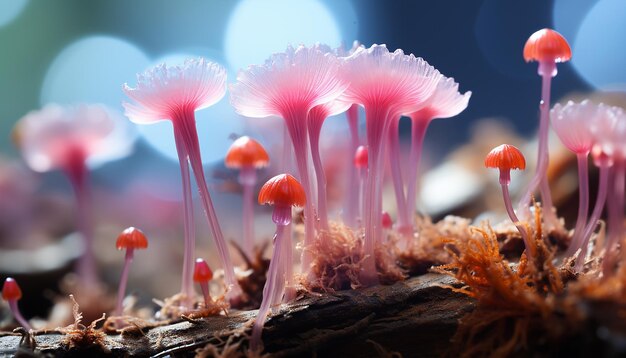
512	299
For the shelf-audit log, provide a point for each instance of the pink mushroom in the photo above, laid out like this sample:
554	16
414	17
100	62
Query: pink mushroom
387	85
289	85
74	139
445	102
174	93
572	123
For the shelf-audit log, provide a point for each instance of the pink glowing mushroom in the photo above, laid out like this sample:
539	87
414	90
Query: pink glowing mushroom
174	93
609	130
387	85
130	239
247	155
283	192
12	293
572	124
547	47
445	102
504	158
289	85
74	139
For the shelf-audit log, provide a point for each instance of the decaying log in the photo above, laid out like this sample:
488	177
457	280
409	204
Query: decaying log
416	317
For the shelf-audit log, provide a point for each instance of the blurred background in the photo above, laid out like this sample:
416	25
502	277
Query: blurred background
72	51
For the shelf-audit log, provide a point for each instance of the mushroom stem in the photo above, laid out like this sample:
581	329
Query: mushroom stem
352	204
361	185
418	132
377	125
121	291
18	315
315	121
595	216
78	174
616	217
204	286
547	70
583	204
296	125
404	222
275	283
247	179
188	222
185	128
505	178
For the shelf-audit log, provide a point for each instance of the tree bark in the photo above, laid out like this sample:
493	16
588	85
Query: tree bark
416	317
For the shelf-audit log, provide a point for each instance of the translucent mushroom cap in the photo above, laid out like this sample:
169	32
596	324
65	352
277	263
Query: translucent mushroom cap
609	132
131	238
163	91
393	81
246	152
445	102
547	45
361	157
505	157
202	272
11	290
572	124
51	138
283	190
297	79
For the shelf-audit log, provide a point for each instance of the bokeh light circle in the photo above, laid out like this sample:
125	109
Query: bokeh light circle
93	69
599	49
258	28
10	10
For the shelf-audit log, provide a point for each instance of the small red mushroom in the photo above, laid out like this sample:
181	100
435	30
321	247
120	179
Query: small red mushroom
283	191
130	239
360	163
202	274
547	47
247	155
386	221
12	293
361	157
506	157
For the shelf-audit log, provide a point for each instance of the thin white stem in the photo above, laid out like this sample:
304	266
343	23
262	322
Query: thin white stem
595	216
188	221
18	315
121	291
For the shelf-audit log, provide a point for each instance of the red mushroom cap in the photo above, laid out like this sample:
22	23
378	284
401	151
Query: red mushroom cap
131	238
246	151
202	272
283	190
547	45
386	221
505	156
360	157
11	290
